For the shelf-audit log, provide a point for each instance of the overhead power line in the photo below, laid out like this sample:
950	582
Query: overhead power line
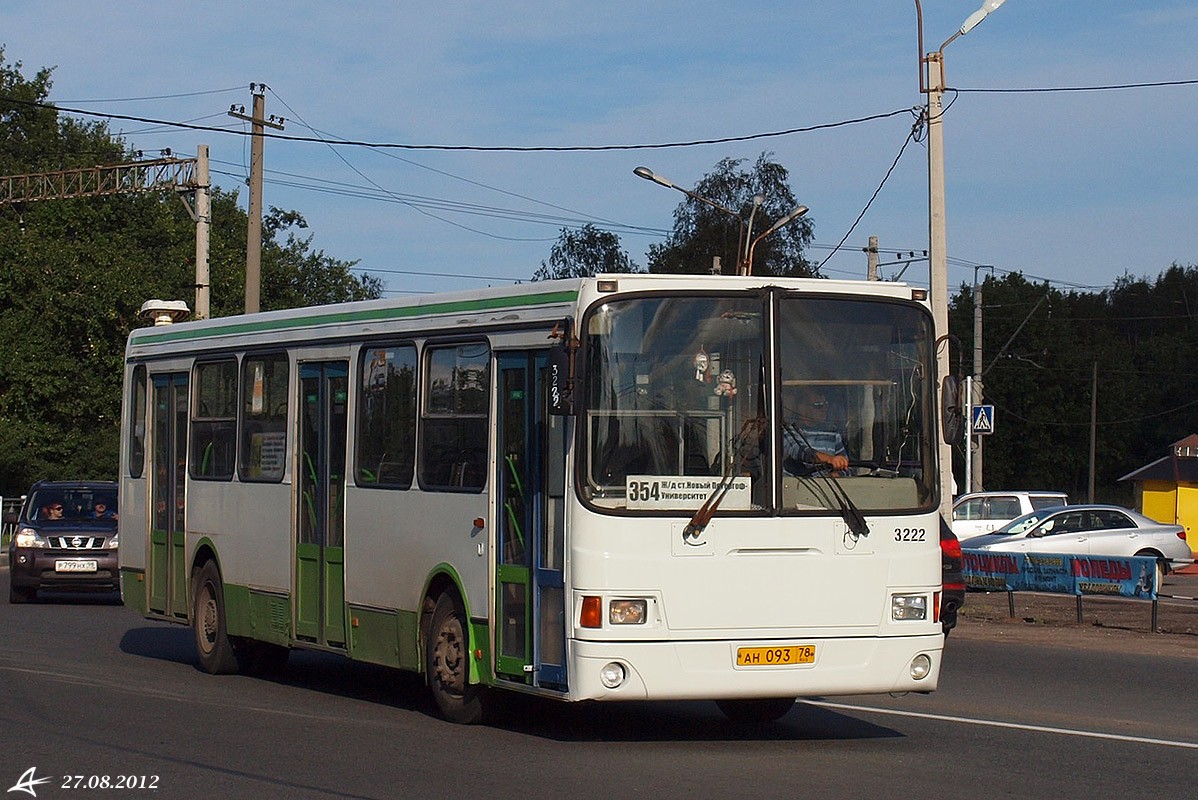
471	148
1104	88
154	96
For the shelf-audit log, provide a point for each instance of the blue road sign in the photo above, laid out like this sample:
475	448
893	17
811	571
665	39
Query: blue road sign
983	419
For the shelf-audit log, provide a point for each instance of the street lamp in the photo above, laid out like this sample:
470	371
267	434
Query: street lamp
933	87
744	248
747	263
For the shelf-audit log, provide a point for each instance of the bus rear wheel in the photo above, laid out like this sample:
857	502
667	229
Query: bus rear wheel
208	621
758	711
447	663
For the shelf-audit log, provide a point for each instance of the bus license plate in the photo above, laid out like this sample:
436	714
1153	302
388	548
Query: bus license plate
785	656
75	565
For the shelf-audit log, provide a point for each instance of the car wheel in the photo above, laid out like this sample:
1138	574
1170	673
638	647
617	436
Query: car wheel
21	594
758	711
208	621
447	664
1161	561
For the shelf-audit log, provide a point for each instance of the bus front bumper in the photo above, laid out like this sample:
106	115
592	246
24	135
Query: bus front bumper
695	670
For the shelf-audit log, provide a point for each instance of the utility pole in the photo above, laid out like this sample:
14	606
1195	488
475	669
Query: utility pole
203	220
1093	430
201	215
978	395
871	252
253	240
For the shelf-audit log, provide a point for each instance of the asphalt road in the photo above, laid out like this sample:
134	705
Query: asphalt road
91	690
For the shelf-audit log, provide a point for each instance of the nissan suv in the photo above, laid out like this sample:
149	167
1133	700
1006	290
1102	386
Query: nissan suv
64	539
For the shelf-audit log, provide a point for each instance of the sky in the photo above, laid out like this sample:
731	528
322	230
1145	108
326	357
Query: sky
558	102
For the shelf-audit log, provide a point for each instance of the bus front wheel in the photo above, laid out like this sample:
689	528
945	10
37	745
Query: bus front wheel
447	663
208	621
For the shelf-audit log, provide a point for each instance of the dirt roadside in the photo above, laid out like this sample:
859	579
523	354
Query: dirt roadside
1119	623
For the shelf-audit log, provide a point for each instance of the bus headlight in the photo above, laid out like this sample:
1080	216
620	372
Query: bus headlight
627	612
908	606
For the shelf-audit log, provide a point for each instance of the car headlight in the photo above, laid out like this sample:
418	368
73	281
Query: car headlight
115	541
28	537
908	606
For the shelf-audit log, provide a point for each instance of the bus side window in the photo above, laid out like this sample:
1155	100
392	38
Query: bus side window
264	417
137	423
214	420
386	422
454	422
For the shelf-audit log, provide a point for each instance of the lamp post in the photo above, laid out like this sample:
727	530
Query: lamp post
744	248
931	83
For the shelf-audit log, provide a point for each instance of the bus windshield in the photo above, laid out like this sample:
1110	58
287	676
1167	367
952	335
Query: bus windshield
680	404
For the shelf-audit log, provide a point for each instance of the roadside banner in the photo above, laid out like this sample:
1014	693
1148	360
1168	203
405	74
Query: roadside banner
1065	574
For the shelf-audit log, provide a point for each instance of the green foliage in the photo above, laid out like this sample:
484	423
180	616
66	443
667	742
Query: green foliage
1141	335
74	273
702	232
585	252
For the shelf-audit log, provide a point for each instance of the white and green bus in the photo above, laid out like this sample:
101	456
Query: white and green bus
608	488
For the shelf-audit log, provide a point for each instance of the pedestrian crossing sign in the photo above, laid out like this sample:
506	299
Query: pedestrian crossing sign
983	419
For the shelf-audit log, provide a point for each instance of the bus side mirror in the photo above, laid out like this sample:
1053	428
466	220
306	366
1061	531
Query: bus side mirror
561	381
952	419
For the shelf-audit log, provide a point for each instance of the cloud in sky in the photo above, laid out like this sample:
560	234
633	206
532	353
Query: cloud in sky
1077	187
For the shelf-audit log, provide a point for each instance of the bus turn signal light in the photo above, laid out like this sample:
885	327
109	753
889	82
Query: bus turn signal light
592	612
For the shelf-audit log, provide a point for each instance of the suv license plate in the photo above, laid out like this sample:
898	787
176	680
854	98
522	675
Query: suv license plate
75	565
785	656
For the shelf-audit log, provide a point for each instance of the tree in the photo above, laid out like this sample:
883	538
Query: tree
294	275
74	273
702	232
1140	334
585	252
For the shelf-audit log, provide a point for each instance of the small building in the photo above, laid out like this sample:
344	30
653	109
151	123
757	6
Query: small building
1167	489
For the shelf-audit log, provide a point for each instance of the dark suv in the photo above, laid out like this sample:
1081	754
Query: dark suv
64	539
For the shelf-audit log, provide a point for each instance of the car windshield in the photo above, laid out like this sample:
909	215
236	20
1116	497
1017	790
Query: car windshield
1022	524
681	395
71	505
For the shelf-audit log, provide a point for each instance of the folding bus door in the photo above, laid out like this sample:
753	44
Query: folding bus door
167	565
320	531
531	485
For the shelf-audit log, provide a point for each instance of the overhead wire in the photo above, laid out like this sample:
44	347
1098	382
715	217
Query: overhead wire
383	146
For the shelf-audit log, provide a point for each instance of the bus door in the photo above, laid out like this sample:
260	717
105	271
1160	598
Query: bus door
531	628
320	531
167	567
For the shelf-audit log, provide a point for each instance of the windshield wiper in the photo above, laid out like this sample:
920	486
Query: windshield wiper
732	466
848	509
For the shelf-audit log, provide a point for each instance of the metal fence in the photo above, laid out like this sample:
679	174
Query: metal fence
12	504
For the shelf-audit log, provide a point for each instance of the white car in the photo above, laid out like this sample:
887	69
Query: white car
1094	530
983	512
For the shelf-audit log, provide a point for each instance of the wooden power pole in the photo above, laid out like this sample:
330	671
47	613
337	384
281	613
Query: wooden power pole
253	241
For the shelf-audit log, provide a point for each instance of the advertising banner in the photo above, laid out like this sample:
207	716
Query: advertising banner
1066	574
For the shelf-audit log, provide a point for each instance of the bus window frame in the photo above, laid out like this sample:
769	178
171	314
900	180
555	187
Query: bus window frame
194	417
360	416
242	465
425	416
139	398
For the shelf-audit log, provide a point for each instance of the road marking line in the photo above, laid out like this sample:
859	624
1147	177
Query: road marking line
1015	725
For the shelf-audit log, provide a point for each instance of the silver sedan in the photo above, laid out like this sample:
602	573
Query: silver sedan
1096	530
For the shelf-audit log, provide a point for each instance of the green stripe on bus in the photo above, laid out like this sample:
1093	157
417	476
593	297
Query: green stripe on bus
365	315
